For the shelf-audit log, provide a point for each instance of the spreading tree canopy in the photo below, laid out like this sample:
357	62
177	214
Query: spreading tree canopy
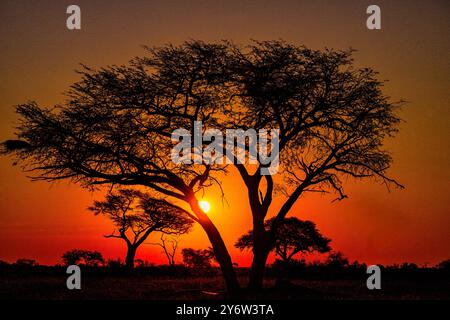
115	128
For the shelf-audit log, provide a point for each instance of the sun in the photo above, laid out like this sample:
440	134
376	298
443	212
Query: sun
204	205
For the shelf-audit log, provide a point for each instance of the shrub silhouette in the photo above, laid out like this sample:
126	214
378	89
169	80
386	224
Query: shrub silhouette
197	259
83	257
26	262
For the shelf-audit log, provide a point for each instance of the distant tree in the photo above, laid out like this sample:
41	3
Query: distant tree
198	259
136	215
445	264
72	257
169	247
294	236
93	258
26	262
337	260
114	263
357	265
85	257
409	266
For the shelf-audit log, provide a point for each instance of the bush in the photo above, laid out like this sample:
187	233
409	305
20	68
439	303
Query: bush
26	262
83	257
198	259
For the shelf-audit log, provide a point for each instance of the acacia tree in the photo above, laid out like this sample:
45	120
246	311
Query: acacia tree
115	129
136	215
116	124
333	119
293	236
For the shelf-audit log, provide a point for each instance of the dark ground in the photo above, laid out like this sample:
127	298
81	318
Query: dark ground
49	283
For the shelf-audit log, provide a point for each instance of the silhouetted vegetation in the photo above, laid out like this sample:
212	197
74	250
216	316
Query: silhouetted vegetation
308	280
169	247
197	258
115	128
445	264
337	260
136	215
26	262
83	257
293	236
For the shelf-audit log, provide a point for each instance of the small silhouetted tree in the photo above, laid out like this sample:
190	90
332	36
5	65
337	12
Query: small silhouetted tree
169	247
197	258
337	260
294	236
72	257
85	257
136	215
94	258
445	264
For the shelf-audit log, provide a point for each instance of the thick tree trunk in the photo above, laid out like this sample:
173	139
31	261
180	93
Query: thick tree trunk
283	272
129	260
220	250
257	270
261	250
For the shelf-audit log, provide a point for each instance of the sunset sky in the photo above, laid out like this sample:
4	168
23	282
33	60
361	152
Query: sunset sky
38	56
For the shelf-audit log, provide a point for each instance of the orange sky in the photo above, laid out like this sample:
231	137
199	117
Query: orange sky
38	55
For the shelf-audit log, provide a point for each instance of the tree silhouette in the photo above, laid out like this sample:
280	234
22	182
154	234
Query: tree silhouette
136	215
293	236
26	262
86	257
115	128
116	124
445	264
169	247
198	259
337	260
332	118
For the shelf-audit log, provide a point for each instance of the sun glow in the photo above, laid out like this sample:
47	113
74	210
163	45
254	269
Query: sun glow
204	205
